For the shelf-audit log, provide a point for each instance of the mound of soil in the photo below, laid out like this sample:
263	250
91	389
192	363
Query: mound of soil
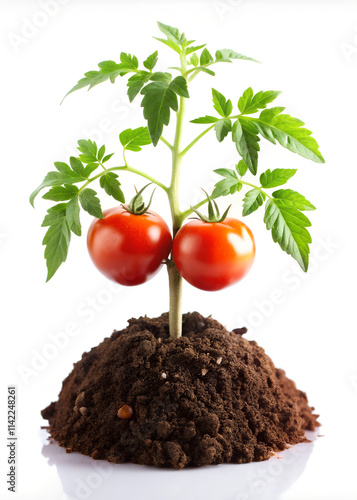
209	397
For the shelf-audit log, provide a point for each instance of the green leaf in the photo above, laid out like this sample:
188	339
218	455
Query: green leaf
108	70
246	141
205	119
91	203
249	104
101	153
61	193
56	240
205	70
295	198
56	179
136	83
194	60
229	185
88	150
111	186
159	98
225	55
107	157
222	128
72	214
90	168
242	168
205	58
134	139
277	177
129	62
171	44
54	213
194	49
77	166
288	226
252	201
151	61
220	104
171	33
288	131
63	168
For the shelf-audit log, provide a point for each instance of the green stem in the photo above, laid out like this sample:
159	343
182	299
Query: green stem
255	187
125	168
170	146
175	279
202	134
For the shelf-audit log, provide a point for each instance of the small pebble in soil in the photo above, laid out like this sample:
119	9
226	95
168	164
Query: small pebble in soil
219	360
84	411
204	371
163	375
125	412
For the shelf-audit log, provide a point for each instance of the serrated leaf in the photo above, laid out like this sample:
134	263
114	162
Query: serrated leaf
134	139
90	203
221	105
277	177
170	44
252	201
206	57
151	61
205	119
247	145
242	168
90	167
288	131
288	226
111	185
108	70
77	166
222	128
229	185
159	98
194	49
296	199
61	193
55	178
56	240
205	70
101	153
225	55
88	150
136	83
249	104
54	213
63	168
129	62
72	215
172	34
226	172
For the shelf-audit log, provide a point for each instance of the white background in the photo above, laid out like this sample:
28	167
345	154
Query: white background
309	50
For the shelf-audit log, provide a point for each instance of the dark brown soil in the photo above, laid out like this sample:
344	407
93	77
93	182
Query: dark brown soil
210	397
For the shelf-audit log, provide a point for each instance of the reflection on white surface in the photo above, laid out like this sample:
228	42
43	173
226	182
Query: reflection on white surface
83	478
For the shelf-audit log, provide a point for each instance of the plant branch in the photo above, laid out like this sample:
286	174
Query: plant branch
170	146
202	134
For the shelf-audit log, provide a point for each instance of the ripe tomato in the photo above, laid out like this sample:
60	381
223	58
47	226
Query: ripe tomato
213	255
129	249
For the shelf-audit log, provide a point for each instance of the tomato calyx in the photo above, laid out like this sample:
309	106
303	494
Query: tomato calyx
213	211
137	205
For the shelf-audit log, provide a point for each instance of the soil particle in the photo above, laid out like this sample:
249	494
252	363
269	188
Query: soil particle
222	399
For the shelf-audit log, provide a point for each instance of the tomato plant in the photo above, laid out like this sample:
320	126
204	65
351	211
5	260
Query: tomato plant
209	253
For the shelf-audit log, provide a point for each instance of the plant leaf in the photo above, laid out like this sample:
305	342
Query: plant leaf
246	141
288	131
90	203
220	104
72	214
56	240
225	55
242	168
111	185
295	198
61	193
194	49
134	139
206	57
55	178
252	201
288	226
159	98
277	177
136	83
222	128
249	104
205	119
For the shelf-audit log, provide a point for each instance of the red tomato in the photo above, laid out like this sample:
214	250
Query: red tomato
129	249
214	255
